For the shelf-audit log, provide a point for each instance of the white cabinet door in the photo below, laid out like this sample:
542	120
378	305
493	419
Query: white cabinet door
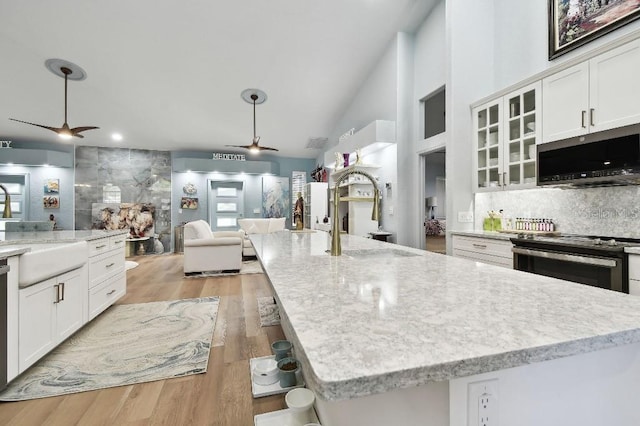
565	103
615	88
488	129
69	310
37	322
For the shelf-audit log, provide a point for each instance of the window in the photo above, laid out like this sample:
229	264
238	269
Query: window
434	113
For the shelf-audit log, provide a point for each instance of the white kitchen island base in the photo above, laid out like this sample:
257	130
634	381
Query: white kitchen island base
389	335
594	389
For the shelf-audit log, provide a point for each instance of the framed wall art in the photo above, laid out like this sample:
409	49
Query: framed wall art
51	186
189	203
573	23
51	202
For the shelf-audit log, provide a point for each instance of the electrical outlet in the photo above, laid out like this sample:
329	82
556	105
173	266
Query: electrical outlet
486	412
465	217
482	403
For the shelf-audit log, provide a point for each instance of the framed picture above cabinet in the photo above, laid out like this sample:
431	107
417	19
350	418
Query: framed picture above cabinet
577	22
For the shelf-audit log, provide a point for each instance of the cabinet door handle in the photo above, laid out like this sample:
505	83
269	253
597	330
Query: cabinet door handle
111	292
109	265
504	179
584	114
591	114
101	247
482	246
118	242
57	290
61	291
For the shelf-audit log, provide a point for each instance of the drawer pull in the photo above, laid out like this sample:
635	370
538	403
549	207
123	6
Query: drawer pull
109	265
101	247
482	246
111	292
118	242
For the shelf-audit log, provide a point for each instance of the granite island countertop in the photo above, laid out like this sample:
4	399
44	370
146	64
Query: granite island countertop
17	243
384	316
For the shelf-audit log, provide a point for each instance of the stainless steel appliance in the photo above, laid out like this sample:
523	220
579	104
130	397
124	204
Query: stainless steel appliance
4	270
591	260
607	158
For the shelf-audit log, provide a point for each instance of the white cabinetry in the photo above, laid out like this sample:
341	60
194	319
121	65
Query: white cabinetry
485	250
634	274
315	203
356	199
50	311
107	279
506	131
599	94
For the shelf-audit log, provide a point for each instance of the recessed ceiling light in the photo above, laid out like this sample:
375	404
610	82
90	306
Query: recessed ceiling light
116	137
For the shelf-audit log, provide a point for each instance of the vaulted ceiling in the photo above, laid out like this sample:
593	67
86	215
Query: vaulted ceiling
168	75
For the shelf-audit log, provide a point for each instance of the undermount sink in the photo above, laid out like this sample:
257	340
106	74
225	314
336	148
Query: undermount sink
48	260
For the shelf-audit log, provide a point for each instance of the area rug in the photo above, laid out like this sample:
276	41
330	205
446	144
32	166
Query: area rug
127	344
248	267
268	311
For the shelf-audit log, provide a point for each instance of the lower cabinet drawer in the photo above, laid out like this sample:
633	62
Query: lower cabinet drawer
106	293
507	262
105	265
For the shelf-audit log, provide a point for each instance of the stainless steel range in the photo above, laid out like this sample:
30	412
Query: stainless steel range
593	260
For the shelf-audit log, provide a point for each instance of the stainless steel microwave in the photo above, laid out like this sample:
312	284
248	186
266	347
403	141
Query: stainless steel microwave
607	158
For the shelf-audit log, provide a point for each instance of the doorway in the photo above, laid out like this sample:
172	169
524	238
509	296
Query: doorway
435	196
226	204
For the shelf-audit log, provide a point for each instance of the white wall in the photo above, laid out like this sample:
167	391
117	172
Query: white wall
521	41
469	77
376	100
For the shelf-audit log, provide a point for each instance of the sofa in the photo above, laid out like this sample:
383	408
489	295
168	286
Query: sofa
205	250
258	226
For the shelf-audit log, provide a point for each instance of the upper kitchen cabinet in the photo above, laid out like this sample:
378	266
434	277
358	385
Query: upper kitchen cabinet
506	131
598	94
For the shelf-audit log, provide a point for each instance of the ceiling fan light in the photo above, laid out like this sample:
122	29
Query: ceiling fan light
254	150
66	135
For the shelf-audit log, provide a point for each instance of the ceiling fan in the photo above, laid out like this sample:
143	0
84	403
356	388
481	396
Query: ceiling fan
254	96
71	71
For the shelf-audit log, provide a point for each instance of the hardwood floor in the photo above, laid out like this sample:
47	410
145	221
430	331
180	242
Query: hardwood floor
221	396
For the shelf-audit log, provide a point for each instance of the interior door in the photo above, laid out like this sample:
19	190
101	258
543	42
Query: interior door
226	204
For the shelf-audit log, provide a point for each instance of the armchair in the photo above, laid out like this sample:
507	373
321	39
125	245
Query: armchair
205	250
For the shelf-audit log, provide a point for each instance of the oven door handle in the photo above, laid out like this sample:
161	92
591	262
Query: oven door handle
575	258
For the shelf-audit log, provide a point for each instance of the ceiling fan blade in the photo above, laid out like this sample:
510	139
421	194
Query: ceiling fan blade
55	129
77	130
240	146
266	148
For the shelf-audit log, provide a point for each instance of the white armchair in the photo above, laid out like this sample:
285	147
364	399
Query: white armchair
205	250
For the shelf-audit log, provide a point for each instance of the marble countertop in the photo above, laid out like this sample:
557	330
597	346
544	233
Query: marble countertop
384	316
485	234
632	250
8	251
44	237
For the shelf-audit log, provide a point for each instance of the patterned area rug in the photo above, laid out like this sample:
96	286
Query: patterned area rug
127	344
268	310
248	267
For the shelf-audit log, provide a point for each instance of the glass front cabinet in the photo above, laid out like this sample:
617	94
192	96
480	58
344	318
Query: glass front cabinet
506	132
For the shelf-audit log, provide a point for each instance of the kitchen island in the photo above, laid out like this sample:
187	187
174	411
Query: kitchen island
57	282
393	335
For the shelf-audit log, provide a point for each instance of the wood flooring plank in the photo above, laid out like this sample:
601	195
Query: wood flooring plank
140	403
221	396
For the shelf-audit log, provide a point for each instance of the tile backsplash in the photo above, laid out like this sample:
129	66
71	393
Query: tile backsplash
609	211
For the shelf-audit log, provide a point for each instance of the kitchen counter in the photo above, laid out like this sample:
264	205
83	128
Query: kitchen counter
380	317
486	234
46	237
